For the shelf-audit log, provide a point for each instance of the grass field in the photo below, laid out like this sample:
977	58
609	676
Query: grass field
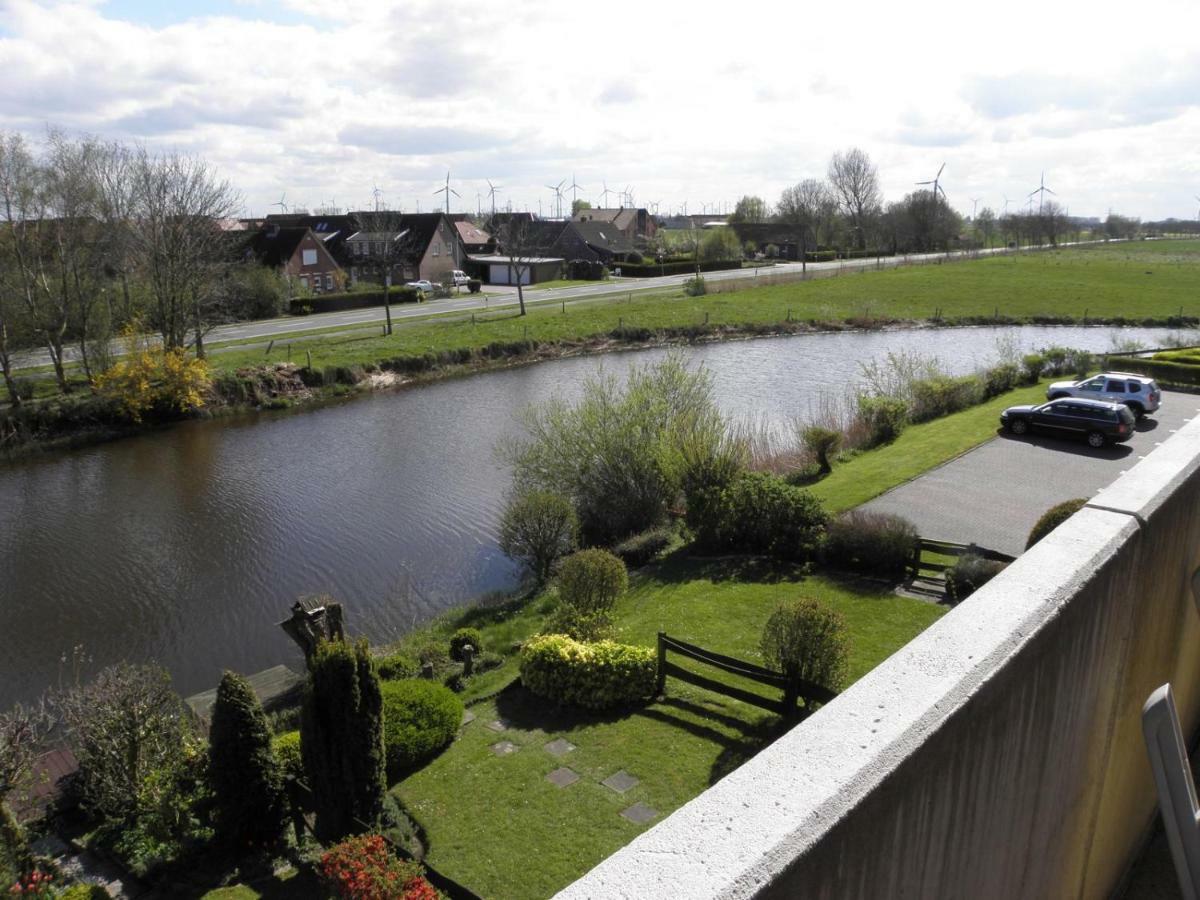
483	813
1149	279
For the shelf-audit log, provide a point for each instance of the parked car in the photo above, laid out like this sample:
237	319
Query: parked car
423	285
1139	393
459	278
1097	421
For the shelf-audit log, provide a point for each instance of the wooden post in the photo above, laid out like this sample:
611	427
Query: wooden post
269	346
660	688
791	694
308	355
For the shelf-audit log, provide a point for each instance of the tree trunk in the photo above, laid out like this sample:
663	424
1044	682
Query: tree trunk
387	301
520	295
55	348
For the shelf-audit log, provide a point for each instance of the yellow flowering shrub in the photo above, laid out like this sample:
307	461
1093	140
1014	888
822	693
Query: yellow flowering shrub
148	379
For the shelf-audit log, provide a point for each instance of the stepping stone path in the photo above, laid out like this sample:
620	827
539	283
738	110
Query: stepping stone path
640	813
504	748
468	717
562	777
560	747
621	782
498	725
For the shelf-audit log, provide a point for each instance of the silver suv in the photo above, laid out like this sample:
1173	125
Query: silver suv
1138	392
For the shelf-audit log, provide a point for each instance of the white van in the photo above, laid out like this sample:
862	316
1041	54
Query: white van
459	278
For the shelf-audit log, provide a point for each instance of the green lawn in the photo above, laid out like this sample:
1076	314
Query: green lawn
917	449
483	813
1153	279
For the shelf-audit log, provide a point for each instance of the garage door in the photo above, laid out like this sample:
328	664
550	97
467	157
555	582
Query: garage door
502	274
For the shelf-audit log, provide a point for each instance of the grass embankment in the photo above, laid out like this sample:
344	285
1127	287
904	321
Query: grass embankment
1146	280
483	813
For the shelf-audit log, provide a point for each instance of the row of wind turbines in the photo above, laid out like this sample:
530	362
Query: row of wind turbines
1040	192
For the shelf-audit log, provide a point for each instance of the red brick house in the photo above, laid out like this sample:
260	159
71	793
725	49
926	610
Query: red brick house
299	255
412	246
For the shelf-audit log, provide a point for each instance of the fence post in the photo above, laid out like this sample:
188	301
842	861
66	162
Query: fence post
660	687
791	697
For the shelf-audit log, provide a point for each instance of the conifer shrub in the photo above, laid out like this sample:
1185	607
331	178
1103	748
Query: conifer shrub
245	777
341	739
286	747
1052	518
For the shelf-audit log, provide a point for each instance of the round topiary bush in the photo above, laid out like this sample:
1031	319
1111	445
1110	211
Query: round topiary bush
807	639
969	573
420	718
395	666
590	581
1052	518
598	675
465	637
286	747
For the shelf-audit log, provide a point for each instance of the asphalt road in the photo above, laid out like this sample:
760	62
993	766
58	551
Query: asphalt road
291	326
993	495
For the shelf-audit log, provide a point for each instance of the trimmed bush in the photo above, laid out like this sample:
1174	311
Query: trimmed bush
1167	371
1032	365
590	581
884	418
821	442
878	543
537	528
641	548
246	781
84	892
942	395
760	513
999	379
474	285
600	675
395	666
805	638
695	286
286	748
465	637
969	573
420	718
1052	518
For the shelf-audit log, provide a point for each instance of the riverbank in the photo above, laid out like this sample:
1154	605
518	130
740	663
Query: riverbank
1068	287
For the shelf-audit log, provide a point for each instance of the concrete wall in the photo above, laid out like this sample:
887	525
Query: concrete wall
999	754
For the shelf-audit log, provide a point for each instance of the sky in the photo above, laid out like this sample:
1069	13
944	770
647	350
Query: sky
317	103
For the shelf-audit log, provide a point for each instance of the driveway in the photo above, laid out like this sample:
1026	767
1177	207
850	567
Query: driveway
993	495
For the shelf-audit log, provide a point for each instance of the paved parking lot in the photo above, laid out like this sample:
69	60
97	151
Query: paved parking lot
994	494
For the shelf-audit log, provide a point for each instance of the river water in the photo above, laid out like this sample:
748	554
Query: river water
188	545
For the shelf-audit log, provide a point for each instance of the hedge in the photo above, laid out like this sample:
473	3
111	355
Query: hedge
601	675
1163	370
354	300
653	270
420	718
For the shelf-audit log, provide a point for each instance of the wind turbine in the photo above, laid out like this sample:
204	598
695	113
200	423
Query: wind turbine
974	206
627	196
1006	202
492	188
282	204
574	189
604	193
558	197
377	194
1198	211
1041	191
447	190
936	187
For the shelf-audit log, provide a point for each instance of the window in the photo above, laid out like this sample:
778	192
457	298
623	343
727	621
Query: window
379	247
303	281
308	257
1116	387
1135	387
329	282
436	248
1092	385
358	248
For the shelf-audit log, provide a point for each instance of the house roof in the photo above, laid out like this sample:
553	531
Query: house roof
275	245
470	233
622	217
603	235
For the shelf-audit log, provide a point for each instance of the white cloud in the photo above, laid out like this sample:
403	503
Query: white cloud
691	106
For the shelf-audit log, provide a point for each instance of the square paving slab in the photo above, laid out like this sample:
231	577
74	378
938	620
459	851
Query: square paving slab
560	747
640	813
498	725
620	782
562	777
468	717
504	748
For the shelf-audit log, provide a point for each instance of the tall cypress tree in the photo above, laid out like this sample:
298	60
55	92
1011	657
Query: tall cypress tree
341	739
245	777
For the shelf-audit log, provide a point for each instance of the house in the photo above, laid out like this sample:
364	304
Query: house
593	241
473	238
411	245
297	253
785	237
635	224
331	229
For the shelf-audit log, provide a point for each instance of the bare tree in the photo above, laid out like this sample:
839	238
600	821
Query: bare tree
985	224
521	243
802	206
750	209
388	249
855	182
23	731
179	201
